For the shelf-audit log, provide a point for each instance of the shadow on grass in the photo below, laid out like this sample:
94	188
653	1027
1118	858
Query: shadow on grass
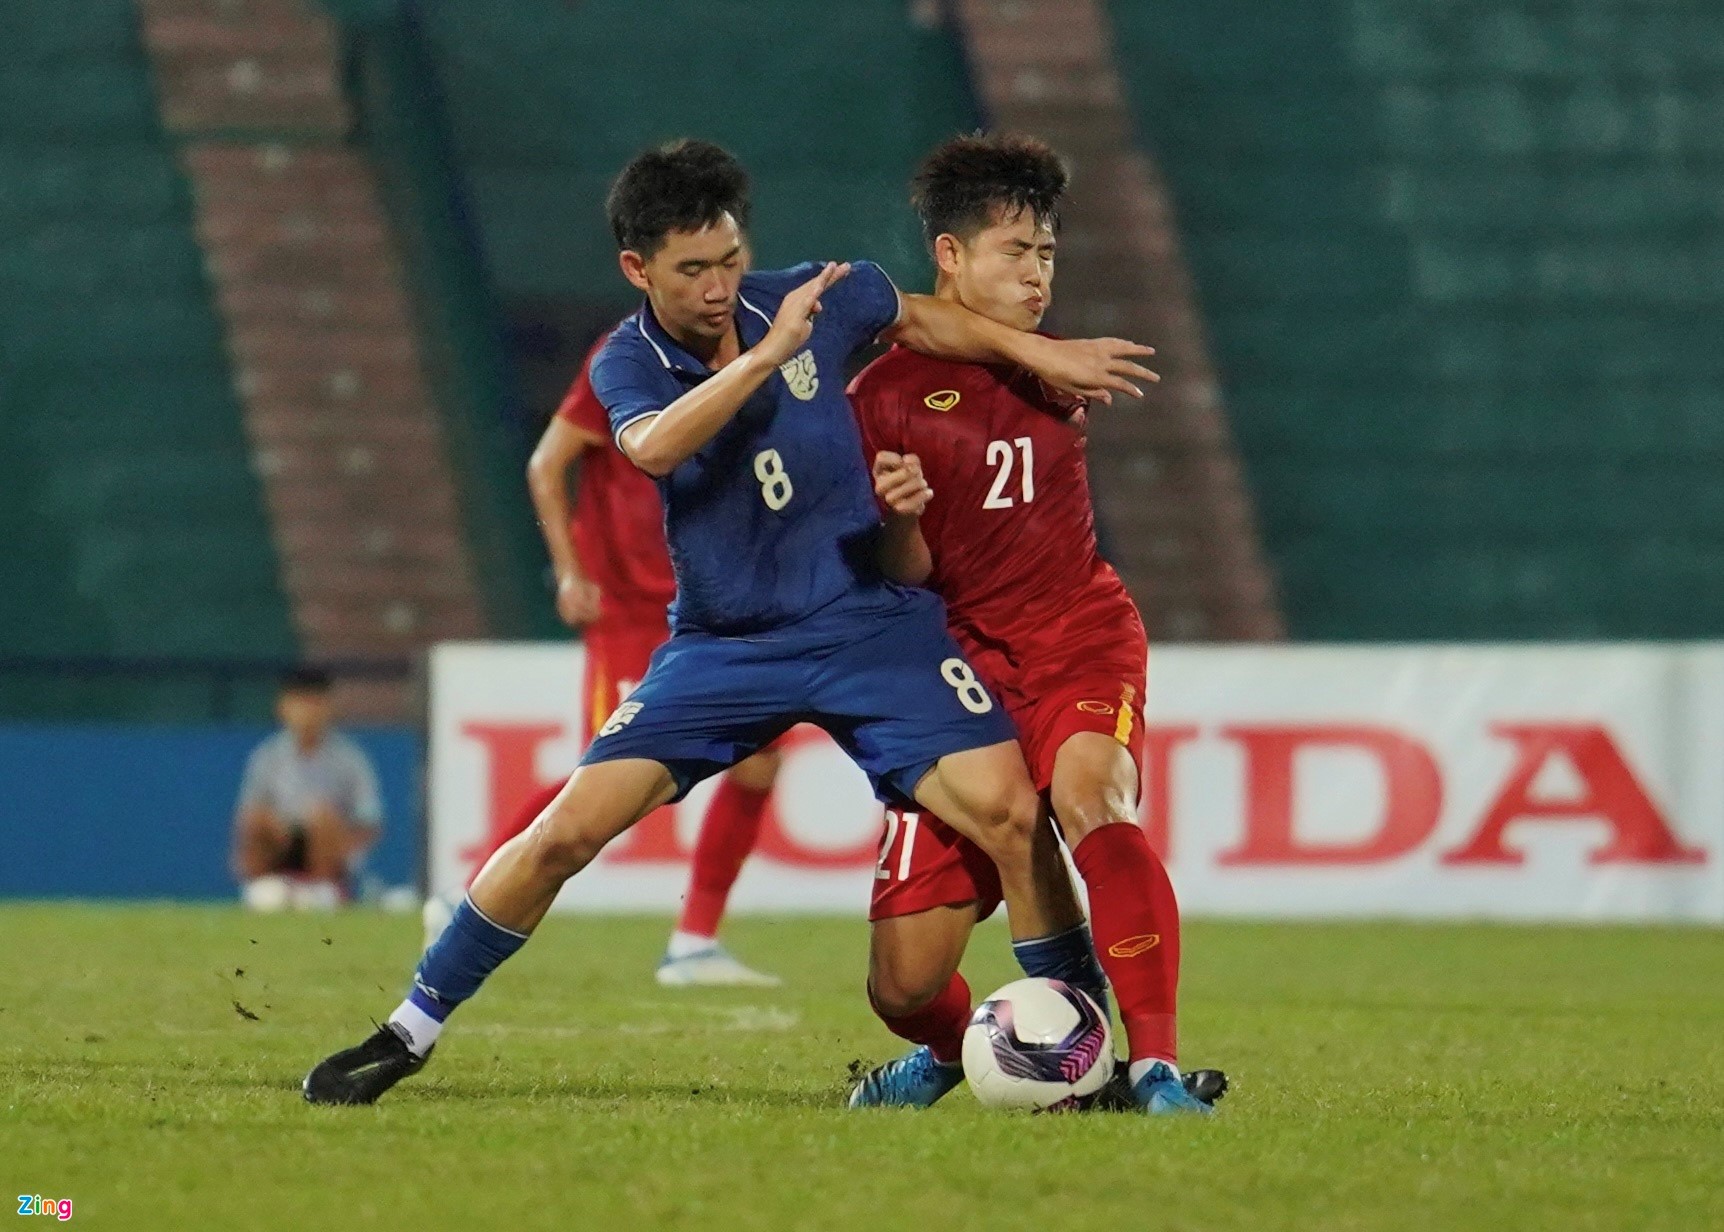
577	1091
164	1081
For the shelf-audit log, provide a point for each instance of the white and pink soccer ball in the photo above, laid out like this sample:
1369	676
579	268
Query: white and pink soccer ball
1038	1044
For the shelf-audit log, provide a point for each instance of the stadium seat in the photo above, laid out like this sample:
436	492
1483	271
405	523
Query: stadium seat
1461	266
548	100
125	479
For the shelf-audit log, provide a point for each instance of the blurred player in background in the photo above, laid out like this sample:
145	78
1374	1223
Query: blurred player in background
981	468
727	388
614	583
309	808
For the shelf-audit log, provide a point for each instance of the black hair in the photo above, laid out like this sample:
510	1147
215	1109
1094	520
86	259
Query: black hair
306	680
969	183
682	186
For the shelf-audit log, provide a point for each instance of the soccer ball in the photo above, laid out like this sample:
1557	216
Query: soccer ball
1038	1044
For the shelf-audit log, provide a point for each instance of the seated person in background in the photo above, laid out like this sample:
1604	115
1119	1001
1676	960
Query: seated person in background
308	808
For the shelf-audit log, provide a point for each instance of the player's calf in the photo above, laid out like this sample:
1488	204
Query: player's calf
912	959
1133	910
1066	951
936	1025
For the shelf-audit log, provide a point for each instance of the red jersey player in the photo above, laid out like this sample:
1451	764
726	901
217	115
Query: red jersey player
614	584
992	461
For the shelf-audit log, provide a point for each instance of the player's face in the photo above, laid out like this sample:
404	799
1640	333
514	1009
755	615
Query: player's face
1006	272
304	713
692	281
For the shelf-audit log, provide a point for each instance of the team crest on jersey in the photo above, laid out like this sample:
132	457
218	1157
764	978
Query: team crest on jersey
799	374
944	400
621	718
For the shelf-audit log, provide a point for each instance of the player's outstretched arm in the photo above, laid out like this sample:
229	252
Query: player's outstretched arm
1094	368
904	493
662	442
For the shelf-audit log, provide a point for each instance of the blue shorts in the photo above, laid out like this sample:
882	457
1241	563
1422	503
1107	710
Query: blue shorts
877	670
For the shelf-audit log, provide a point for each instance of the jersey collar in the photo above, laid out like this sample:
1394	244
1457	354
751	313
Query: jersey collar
751	326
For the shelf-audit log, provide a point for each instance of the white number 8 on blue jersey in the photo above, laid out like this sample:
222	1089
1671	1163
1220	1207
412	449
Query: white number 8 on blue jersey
962	678
775	487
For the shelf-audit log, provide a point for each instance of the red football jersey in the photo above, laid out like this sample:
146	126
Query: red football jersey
1011	528
617	522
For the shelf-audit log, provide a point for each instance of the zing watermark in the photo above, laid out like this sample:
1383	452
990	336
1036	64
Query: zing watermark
36	1204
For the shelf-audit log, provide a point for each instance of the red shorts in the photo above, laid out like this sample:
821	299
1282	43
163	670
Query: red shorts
1109	705
618	654
924	863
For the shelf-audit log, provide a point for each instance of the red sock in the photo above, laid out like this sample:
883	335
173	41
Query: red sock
727	835
519	820
1135	919
939	1024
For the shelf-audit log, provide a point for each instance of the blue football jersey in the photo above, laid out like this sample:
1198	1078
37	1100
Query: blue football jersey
775	517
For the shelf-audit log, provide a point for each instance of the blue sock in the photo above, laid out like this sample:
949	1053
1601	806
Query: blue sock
1068	956
451	971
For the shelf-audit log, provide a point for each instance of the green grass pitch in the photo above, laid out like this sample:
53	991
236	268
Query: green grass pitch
1385	1077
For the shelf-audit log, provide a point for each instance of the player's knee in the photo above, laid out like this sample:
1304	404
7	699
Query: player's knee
560	845
1086	810
1095	784
898	993
1006	824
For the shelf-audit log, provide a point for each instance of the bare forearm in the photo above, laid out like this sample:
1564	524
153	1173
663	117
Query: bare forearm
661	444
904	555
551	503
947	330
1094	368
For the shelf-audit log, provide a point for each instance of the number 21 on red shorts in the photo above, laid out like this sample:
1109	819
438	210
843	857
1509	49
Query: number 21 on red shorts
924	864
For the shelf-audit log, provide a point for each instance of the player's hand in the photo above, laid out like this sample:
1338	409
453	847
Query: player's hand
577	601
795	320
1094	368
900	484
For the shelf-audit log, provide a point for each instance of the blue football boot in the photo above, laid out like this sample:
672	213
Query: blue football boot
914	1080
1161	1092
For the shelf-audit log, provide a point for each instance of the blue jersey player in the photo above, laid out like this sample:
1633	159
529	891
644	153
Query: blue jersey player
728	388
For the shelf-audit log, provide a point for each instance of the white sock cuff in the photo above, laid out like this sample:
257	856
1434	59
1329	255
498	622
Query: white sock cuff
682	944
422	1029
1142	1066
